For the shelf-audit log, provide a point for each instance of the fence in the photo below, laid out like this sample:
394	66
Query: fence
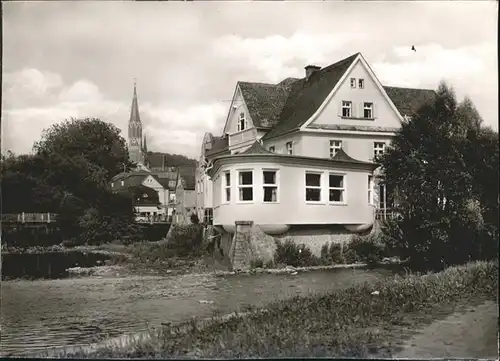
29	217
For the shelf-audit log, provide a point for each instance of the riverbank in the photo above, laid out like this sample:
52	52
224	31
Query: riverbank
41	315
362	321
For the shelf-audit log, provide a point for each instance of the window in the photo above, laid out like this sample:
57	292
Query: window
368	110
346	109
353	83
289	148
245	186
271	149
335	146
241	122
270	185
370	189
313	187
361	83
378	148
112	185
123	183
336	188
227	187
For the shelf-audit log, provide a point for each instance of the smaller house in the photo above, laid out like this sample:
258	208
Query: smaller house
145	200
176	197
139	180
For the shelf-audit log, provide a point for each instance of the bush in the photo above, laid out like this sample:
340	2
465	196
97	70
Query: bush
294	255
185	240
257	263
194	218
269	264
367	249
331	253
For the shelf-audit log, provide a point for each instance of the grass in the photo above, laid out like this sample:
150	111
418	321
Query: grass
349	323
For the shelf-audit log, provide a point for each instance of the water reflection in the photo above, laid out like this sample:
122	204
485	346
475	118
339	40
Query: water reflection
36	315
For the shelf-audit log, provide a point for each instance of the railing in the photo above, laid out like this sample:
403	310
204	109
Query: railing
385	214
29	217
243	136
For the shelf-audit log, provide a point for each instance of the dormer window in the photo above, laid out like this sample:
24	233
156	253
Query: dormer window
346	109
289	148
361	83
353	83
241	122
272	148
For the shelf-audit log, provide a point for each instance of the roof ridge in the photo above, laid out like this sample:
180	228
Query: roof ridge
338	63
255	83
407	88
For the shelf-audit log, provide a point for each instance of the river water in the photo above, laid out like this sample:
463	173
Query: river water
42	314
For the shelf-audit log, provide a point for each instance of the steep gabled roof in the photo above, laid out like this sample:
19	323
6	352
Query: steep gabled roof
264	101
219	145
409	100
307	95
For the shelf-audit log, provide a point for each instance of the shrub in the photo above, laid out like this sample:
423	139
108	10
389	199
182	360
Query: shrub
368	249
270	264
257	263
185	240
331	253
194	218
291	254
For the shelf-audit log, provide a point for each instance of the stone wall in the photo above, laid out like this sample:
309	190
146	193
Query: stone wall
250	243
315	237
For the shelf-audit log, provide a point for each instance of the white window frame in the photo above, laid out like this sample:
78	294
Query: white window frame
370	190
289	148
353	83
320	187
346	104
226	187
242	117
378	148
272	148
335	146
270	185
361	83
368	106
240	186
343	188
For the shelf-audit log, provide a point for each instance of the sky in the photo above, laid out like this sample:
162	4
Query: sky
79	59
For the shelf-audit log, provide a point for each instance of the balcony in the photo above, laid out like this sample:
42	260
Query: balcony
247	135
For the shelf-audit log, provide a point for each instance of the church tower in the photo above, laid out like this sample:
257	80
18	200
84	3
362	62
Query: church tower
135	145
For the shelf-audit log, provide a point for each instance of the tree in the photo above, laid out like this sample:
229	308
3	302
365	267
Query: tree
69	175
434	163
96	141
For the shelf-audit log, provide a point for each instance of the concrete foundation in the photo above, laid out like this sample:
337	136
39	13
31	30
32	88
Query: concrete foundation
249	243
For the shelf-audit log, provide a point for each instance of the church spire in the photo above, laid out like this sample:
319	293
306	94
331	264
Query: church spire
134	111
145	146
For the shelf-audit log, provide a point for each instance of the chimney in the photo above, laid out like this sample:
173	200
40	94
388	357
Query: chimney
311	69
